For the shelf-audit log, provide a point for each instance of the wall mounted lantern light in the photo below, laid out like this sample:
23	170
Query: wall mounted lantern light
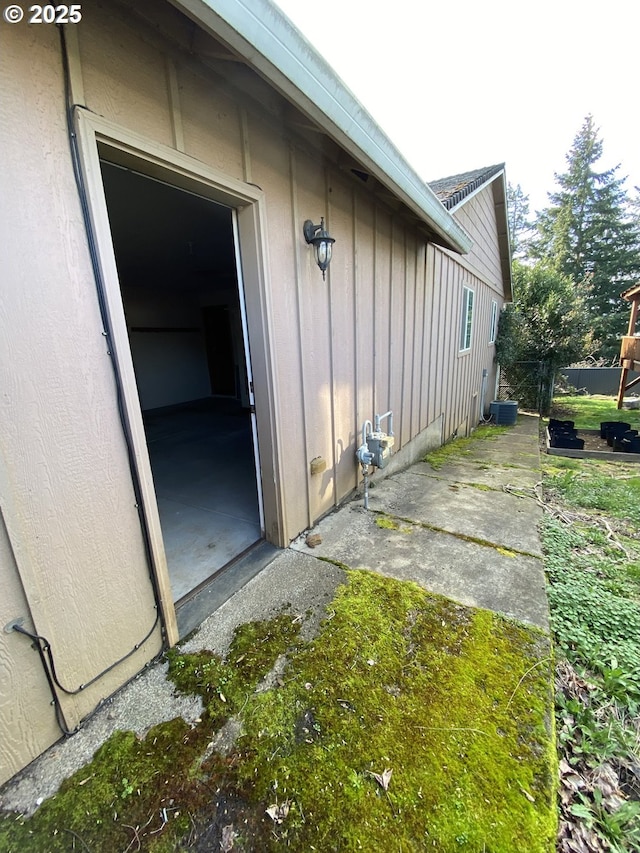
322	243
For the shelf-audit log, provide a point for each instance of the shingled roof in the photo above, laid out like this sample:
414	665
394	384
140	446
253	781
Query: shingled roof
451	191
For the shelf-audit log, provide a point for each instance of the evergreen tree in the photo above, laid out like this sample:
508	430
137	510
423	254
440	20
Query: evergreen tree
589	235
520	226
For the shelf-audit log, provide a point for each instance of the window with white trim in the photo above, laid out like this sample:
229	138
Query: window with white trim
466	319
493	328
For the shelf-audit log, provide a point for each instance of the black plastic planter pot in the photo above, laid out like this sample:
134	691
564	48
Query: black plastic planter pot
617	427
567	441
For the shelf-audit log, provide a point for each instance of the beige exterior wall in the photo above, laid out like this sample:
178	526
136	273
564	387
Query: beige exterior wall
381	333
74	566
482	270
478	217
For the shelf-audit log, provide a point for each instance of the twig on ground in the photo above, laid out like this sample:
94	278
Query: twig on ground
612	538
449	729
531	668
80	839
135	838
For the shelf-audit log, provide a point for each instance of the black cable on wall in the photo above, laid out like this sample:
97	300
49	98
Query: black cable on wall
42	645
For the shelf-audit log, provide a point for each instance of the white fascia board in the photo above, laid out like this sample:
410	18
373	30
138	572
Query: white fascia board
260	33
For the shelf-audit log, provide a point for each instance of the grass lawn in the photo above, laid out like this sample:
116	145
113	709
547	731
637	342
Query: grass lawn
589	410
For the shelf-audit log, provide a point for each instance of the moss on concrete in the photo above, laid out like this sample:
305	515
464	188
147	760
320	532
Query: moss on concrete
459	448
127	785
226	684
145	792
393	523
448	698
386	522
454	701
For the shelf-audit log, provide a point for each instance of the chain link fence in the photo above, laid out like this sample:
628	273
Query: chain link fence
528	382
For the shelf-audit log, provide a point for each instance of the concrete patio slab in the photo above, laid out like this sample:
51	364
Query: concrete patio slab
490	515
475	575
466	538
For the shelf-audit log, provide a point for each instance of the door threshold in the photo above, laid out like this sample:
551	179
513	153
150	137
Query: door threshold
192	609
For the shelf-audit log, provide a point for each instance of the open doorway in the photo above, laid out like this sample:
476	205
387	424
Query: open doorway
183	303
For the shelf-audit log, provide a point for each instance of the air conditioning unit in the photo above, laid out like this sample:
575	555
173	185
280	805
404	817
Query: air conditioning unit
504	412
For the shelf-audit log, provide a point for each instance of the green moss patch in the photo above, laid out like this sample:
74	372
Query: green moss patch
453	701
144	793
409	723
387	523
105	805
459	448
225	685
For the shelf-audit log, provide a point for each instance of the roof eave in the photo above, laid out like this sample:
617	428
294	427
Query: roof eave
260	33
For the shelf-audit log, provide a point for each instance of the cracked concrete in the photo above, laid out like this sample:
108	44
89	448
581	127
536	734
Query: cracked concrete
474	527
472	536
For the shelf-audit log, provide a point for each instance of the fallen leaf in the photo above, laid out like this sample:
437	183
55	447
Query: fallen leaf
278	813
606	780
229	836
383	778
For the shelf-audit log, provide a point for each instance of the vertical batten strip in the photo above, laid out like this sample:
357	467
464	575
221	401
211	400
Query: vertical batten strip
296	251
246	148
403	380
449	342
442	354
332	372
436	340
374	288
175	113
390	318
356	335
418	333
430	306
422	419
433	324
415	392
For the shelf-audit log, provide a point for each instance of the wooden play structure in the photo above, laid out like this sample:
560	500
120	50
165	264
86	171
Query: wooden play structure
630	347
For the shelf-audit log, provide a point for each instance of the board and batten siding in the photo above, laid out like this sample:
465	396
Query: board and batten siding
478	217
73	565
382	332
343	349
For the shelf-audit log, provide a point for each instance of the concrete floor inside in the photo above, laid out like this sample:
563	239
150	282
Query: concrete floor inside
205	479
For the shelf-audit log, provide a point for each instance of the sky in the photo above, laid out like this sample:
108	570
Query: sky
458	85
